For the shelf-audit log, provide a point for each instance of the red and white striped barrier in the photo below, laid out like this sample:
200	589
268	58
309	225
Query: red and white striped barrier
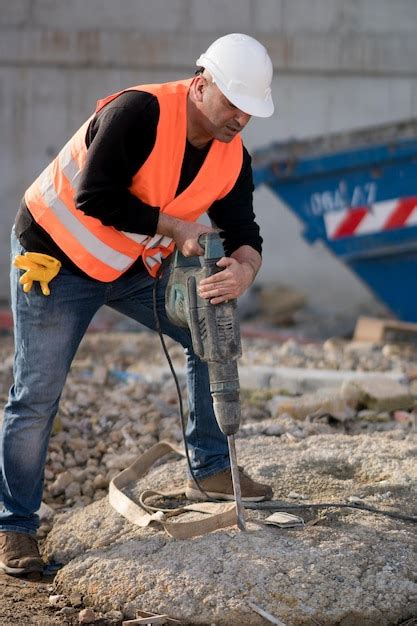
380	216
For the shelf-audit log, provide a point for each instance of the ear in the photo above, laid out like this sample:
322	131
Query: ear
198	87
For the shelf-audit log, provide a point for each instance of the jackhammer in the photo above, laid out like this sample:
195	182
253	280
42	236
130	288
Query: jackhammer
216	340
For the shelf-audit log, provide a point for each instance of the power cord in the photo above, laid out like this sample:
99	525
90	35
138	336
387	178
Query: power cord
275	506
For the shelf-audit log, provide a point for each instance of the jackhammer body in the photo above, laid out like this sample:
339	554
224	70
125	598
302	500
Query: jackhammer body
214	328
215	335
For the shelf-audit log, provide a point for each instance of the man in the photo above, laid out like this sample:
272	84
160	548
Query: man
97	225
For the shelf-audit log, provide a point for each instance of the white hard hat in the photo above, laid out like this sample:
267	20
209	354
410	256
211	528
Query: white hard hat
242	70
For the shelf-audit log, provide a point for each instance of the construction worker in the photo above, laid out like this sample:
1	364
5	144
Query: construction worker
95	228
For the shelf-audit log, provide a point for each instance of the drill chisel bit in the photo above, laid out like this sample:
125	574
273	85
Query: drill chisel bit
240	511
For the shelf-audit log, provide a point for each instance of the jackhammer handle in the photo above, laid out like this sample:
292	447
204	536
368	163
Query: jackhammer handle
202	239
213	249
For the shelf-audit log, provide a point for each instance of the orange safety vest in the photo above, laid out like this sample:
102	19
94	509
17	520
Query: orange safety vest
103	252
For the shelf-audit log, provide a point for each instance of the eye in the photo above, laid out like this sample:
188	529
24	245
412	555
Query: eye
229	104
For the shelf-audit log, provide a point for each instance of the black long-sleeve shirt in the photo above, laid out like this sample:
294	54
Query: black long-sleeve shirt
119	139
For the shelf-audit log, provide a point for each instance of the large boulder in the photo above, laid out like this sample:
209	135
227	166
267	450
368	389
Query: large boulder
344	566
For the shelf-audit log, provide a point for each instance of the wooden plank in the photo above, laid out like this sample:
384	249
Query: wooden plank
384	331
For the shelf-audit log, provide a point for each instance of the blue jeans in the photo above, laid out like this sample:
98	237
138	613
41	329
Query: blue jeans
47	332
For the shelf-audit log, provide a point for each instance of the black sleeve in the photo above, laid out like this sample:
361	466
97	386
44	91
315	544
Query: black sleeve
234	215
119	140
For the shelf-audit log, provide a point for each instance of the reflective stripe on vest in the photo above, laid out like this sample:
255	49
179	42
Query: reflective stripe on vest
103	252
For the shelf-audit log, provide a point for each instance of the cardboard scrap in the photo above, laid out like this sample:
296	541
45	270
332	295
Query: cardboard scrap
380	330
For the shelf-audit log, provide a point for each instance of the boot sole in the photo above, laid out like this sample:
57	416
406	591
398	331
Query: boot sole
195	494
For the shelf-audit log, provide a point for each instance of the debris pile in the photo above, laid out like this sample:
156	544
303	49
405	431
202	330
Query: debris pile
120	399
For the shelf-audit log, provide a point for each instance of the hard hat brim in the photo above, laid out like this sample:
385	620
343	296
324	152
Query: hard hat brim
251	106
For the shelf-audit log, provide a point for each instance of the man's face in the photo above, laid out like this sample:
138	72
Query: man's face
222	119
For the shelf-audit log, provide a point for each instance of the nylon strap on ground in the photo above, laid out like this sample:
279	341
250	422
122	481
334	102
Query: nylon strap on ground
218	515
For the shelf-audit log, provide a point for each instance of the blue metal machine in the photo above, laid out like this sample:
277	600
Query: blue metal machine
357	192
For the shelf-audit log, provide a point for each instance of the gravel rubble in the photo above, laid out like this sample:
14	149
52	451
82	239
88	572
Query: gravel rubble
110	411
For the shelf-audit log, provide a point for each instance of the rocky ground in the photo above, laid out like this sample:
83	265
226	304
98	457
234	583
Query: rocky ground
117	404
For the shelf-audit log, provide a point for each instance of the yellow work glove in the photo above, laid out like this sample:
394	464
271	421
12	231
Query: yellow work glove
39	267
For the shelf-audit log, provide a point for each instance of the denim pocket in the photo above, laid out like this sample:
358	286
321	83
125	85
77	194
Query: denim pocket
15	246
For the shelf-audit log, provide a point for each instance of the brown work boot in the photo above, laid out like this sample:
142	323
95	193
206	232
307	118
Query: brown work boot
220	487
19	553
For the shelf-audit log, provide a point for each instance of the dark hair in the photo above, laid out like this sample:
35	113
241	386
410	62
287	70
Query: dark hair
199	71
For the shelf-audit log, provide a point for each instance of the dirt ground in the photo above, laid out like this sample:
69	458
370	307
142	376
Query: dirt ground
25	602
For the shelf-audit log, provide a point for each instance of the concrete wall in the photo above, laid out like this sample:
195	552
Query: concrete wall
338	64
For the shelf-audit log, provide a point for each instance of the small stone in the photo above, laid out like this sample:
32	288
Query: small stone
43	530
99	494
360	348
354	499
73	490
290	348
45	512
297	496
110	475
404	417
148	429
275	430
116	436
78	443
56	456
79	475
102	446
386	495
66	610
100	482
83	399
76	599
87	488
61	483
57	468
119	462
334	344
81	456
374	416
99	374
87	616
297	433
113	616
70	461
49	474
56	599
406	351
149	440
